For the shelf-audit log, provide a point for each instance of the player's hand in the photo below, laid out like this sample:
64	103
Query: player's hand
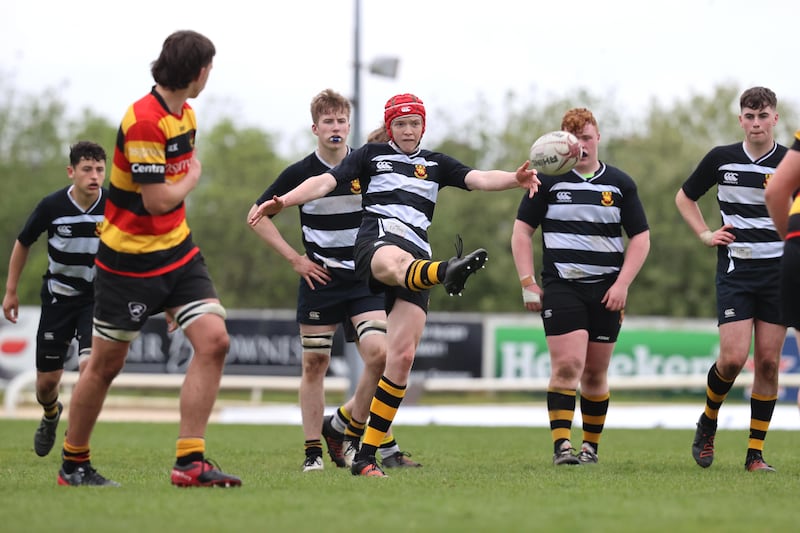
311	272
528	179
268	208
721	237
615	297
11	307
194	171
532	297
172	325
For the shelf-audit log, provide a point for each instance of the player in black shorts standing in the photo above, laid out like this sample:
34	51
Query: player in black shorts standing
329	292
70	217
748	271
399	183
585	279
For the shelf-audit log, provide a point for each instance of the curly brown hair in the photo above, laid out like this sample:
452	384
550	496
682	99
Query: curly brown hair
576	119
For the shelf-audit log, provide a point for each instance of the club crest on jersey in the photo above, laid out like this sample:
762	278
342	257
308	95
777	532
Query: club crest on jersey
606	198
355	186
421	172
766	179
137	310
98	229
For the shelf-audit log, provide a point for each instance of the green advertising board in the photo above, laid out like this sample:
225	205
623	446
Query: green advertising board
520	350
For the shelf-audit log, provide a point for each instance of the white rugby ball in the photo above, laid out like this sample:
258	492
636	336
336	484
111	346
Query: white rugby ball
555	153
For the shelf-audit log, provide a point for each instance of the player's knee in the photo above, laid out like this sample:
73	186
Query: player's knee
373	354
219	343
315	365
403	359
47	383
767	369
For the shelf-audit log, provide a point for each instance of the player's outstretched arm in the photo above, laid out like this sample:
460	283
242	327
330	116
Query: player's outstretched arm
311	189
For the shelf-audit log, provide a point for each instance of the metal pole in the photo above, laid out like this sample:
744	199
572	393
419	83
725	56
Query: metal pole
355	123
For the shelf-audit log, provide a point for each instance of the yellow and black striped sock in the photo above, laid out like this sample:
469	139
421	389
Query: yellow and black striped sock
340	419
422	274
189	450
51	408
313	448
355	428
761	409
717	390
388	397
593	413
560	409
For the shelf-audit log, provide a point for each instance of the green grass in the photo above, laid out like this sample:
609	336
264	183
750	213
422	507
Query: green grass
474	479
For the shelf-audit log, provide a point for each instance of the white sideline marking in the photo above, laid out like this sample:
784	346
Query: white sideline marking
534	415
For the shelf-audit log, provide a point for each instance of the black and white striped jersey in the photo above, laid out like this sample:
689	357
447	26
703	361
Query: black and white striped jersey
740	182
582	223
72	241
329	224
400	190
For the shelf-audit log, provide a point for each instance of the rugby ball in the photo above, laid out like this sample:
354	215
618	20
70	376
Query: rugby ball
555	153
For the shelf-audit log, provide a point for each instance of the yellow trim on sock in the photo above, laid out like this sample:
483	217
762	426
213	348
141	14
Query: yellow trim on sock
187	446
763	398
77	450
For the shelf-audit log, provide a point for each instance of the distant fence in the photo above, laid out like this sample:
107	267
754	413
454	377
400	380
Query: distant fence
459	352
16	389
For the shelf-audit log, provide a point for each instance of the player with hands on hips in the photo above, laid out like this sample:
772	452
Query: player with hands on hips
747	279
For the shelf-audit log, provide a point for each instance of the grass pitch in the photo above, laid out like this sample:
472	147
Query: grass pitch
473	479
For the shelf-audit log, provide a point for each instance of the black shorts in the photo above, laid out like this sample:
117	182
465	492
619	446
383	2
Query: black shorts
790	284
571	306
62	319
126	303
751	291
364	252
336	303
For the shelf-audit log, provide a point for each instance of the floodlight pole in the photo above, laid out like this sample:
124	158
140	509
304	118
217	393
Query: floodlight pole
355	123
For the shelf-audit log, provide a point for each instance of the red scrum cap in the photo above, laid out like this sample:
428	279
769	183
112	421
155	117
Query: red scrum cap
400	106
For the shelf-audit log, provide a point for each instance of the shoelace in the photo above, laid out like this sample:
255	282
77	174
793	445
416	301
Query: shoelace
459	245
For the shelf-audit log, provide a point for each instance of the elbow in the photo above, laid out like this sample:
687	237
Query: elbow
679	197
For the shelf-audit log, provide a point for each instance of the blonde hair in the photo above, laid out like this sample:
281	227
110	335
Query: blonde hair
378	135
328	101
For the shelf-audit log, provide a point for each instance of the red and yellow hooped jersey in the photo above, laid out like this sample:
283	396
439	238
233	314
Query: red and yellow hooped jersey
153	146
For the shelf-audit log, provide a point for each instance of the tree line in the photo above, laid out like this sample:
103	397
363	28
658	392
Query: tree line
659	150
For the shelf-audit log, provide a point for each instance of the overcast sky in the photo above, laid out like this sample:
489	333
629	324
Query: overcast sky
272	57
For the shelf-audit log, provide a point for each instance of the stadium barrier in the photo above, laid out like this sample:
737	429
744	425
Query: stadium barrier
18	386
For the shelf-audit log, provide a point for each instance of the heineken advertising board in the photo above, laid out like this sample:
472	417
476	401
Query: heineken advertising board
646	347
520	350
